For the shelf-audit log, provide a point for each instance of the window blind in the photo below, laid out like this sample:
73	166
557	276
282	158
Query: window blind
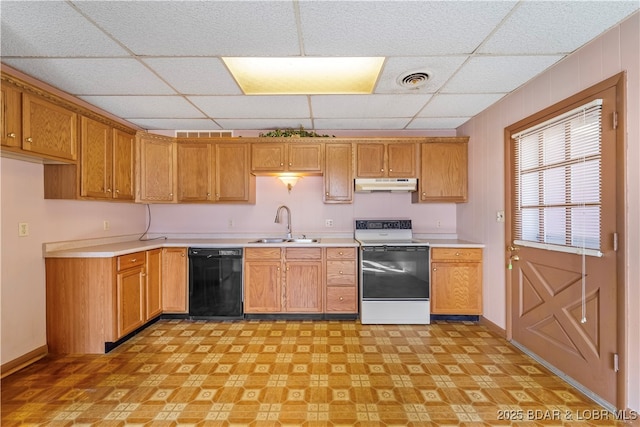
558	182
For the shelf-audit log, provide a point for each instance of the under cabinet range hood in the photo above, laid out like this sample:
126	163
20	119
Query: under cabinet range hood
400	185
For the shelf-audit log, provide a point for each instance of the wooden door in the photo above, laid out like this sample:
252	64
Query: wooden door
11	104
338	174
130	305
401	160
268	157
195	167
123	165
443	175
304	157
48	129
303	287
157	169
370	160
563	305
95	159
174	280
232	176
153	285
263	287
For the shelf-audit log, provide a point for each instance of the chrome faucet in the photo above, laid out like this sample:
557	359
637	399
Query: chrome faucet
288	219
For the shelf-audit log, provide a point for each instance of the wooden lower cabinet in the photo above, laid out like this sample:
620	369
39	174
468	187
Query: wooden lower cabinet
341	278
456	281
94	302
175	284
283	280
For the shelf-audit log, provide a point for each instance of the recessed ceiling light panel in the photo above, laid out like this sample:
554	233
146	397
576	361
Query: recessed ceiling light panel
305	75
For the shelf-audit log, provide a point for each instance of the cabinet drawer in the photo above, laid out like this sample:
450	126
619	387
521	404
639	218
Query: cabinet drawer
341	253
456	254
262	253
341	272
342	299
303	253
135	259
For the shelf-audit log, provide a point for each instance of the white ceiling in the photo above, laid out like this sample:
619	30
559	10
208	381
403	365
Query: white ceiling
157	63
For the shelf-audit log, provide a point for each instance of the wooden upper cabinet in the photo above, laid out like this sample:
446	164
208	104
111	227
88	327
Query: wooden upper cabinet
195	172
123	165
276	157
443	174
11	104
338	173
379	160
48	129
233	179
95	159
157	169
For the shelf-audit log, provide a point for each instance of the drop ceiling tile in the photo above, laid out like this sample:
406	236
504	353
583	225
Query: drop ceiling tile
264	123
258	107
487	74
94	76
51	28
364	124
555	26
466	105
171	124
367	106
439	68
146	107
437	122
199	28
397	28
191	76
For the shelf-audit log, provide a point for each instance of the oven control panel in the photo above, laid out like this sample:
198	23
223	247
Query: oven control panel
383	224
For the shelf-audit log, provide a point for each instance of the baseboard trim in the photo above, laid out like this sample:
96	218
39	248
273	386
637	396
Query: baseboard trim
493	327
23	361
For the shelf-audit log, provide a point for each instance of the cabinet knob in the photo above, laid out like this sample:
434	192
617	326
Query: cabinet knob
341	298
281	164
134	259
170	194
341	272
289	163
29	139
108	190
327	193
390	170
143	274
434	269
182	255
11	135
117	191
424	194
457	253
340	253
208	194
381	170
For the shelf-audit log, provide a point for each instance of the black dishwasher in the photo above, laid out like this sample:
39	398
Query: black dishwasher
215	283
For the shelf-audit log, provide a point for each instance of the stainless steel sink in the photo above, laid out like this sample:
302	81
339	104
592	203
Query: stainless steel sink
280	240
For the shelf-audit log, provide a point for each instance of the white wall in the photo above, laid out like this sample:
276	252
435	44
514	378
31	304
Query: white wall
308	212
613	52
22	291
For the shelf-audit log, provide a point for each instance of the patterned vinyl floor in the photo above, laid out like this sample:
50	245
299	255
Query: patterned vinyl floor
297	373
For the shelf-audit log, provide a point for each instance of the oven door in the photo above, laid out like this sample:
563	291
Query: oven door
392	273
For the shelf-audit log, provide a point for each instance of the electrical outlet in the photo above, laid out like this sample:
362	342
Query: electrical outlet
230	223
328	223
105	225
500	216
23	229
438	224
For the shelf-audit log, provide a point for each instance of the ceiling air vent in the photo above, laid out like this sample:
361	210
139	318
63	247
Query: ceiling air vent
413	80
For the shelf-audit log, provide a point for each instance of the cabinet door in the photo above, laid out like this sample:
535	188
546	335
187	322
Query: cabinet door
401	160
263	287
233	181
157	169
338	174
123	165
95	159
48	129
370	160
268	157
174	280
443	175
195	165
153	285
11	104
303	157
456	288
130	300
303	287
